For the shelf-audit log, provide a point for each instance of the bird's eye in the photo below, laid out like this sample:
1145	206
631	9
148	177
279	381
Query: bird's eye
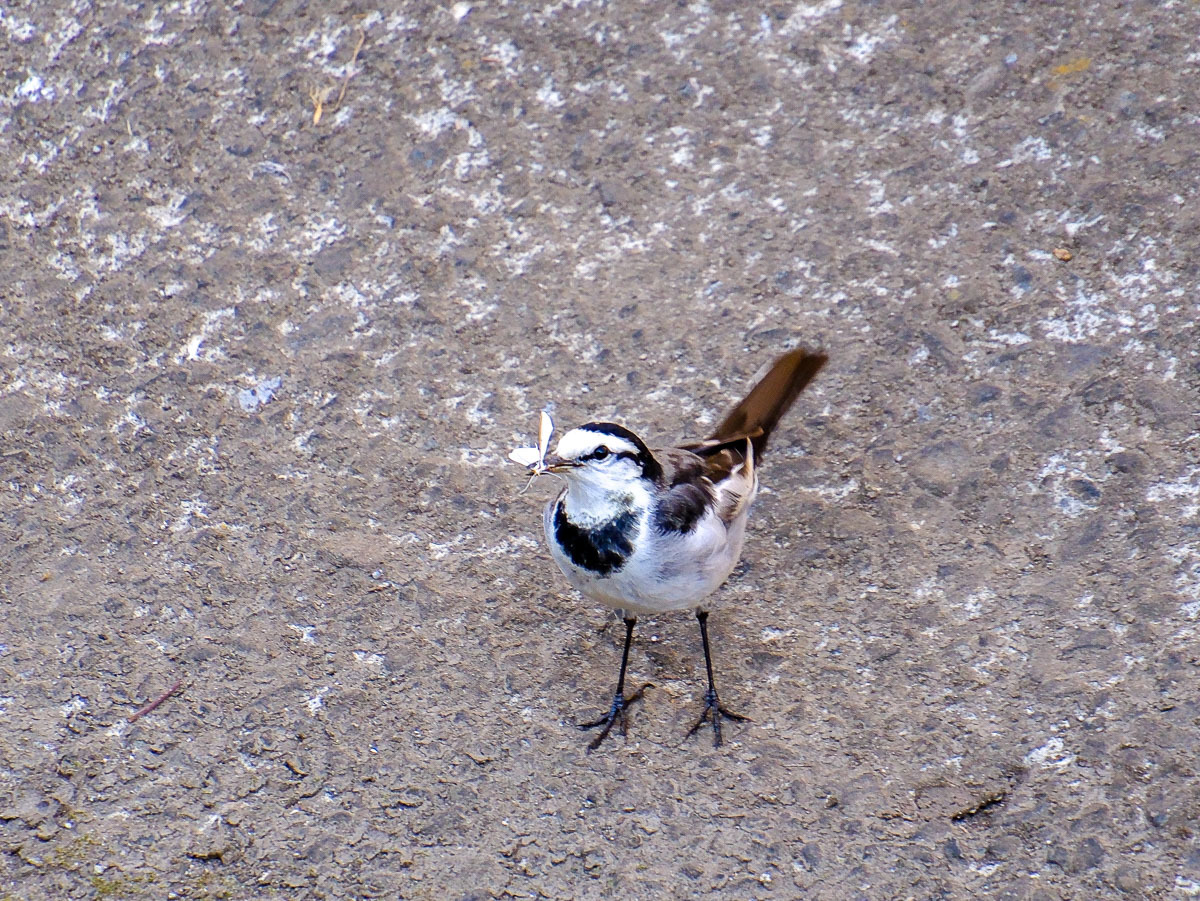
599	453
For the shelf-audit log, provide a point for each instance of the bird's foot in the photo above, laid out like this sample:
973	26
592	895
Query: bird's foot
618	713
713	713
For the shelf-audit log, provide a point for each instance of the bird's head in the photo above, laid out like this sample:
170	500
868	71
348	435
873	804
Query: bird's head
602	457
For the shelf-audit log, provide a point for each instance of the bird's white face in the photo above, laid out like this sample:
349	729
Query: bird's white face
585	455
603	472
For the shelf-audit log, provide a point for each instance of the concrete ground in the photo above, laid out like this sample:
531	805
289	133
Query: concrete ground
282	283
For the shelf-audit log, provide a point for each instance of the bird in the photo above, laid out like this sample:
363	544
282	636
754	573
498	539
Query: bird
647	531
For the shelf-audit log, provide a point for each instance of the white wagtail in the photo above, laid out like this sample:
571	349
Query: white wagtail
648	531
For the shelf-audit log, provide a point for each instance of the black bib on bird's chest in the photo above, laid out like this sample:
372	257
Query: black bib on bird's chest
603	549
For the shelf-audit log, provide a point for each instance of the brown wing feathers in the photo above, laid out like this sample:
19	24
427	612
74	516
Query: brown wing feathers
758	414
686	496
717	457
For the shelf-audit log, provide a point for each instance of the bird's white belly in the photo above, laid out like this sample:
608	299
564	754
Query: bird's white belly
666	571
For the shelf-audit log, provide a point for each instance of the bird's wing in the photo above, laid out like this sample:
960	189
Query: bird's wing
736	482
691	481
684	491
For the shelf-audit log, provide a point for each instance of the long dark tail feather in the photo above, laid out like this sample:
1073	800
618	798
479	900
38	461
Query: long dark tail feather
756	416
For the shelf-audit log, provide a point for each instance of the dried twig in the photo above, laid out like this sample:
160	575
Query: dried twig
318	96
362	39
153	705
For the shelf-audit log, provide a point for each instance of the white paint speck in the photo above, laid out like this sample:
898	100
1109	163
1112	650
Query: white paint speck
191	509
250	399
375	661
191	349
803	14
307	633
315	703
1053	754
34	89
74	705
1189	888
1187	487
548	96
170	213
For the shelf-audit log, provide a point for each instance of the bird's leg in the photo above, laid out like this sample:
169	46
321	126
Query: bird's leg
713	711
620	703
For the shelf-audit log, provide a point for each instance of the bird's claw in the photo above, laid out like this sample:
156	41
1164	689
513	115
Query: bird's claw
713	712
618	712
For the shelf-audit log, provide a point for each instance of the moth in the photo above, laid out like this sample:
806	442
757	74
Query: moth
534	458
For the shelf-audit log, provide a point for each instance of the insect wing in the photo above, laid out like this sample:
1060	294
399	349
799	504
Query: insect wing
526	456
545	430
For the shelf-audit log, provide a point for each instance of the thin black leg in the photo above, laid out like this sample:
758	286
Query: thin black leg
713	711
620	703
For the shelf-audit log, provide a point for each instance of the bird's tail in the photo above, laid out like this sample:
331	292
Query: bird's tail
758	414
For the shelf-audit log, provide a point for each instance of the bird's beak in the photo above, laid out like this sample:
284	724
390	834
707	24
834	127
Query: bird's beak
555	463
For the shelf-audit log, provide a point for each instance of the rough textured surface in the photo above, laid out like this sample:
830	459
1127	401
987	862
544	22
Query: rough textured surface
259	371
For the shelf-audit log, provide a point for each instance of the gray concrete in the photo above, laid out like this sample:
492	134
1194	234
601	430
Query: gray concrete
260	369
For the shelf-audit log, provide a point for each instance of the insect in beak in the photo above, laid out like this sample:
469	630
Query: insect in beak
534	458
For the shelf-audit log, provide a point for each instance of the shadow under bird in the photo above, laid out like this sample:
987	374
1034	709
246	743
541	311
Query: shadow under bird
648	531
